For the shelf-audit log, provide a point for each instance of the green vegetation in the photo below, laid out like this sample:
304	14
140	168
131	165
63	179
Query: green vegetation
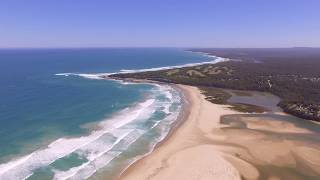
215	95
219	96
291	74
248	108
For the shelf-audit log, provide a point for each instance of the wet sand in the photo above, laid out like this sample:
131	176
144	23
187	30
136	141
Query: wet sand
274	145
215	142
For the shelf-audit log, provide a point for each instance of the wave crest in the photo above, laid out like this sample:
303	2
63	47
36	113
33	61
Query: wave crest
112	137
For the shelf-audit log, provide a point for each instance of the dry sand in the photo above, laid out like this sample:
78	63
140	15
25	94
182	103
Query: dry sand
186	154
204	148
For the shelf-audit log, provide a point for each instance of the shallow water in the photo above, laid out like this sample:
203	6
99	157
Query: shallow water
262	99
60	120
283	144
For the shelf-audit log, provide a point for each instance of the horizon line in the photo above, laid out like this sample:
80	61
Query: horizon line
178	47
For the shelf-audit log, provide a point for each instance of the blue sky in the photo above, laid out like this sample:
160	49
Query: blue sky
158	23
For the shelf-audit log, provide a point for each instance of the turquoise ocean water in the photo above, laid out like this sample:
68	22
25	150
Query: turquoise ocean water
59	120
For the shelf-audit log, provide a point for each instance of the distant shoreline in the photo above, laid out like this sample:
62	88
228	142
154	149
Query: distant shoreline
275	71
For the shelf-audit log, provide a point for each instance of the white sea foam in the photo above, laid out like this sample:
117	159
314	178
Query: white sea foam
86	169
23	167
94	147
164	128
102	75
101	159
94	153
113	136
88	76
216	60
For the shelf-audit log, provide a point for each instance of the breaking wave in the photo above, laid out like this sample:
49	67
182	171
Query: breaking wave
102	75
216	60
108	140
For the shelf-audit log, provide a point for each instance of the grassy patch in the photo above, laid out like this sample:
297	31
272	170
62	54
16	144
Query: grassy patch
219	96
215	95
248	108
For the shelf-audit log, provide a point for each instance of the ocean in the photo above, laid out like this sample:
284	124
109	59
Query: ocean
60	120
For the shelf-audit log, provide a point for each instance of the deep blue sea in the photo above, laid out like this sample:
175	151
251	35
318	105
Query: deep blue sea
76	125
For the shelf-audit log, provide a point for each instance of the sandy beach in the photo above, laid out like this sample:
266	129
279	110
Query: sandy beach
188	151
206	146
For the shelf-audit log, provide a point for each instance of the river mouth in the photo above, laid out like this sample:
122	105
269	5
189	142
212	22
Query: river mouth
273	144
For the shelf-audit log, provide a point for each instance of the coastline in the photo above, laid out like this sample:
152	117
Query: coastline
151	166
251	145
245	71
211	143
176	124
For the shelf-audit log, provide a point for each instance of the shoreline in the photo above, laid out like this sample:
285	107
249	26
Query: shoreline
189	98
176	124
208	145
245	72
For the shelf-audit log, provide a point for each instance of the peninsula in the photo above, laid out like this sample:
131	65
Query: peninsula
293	74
